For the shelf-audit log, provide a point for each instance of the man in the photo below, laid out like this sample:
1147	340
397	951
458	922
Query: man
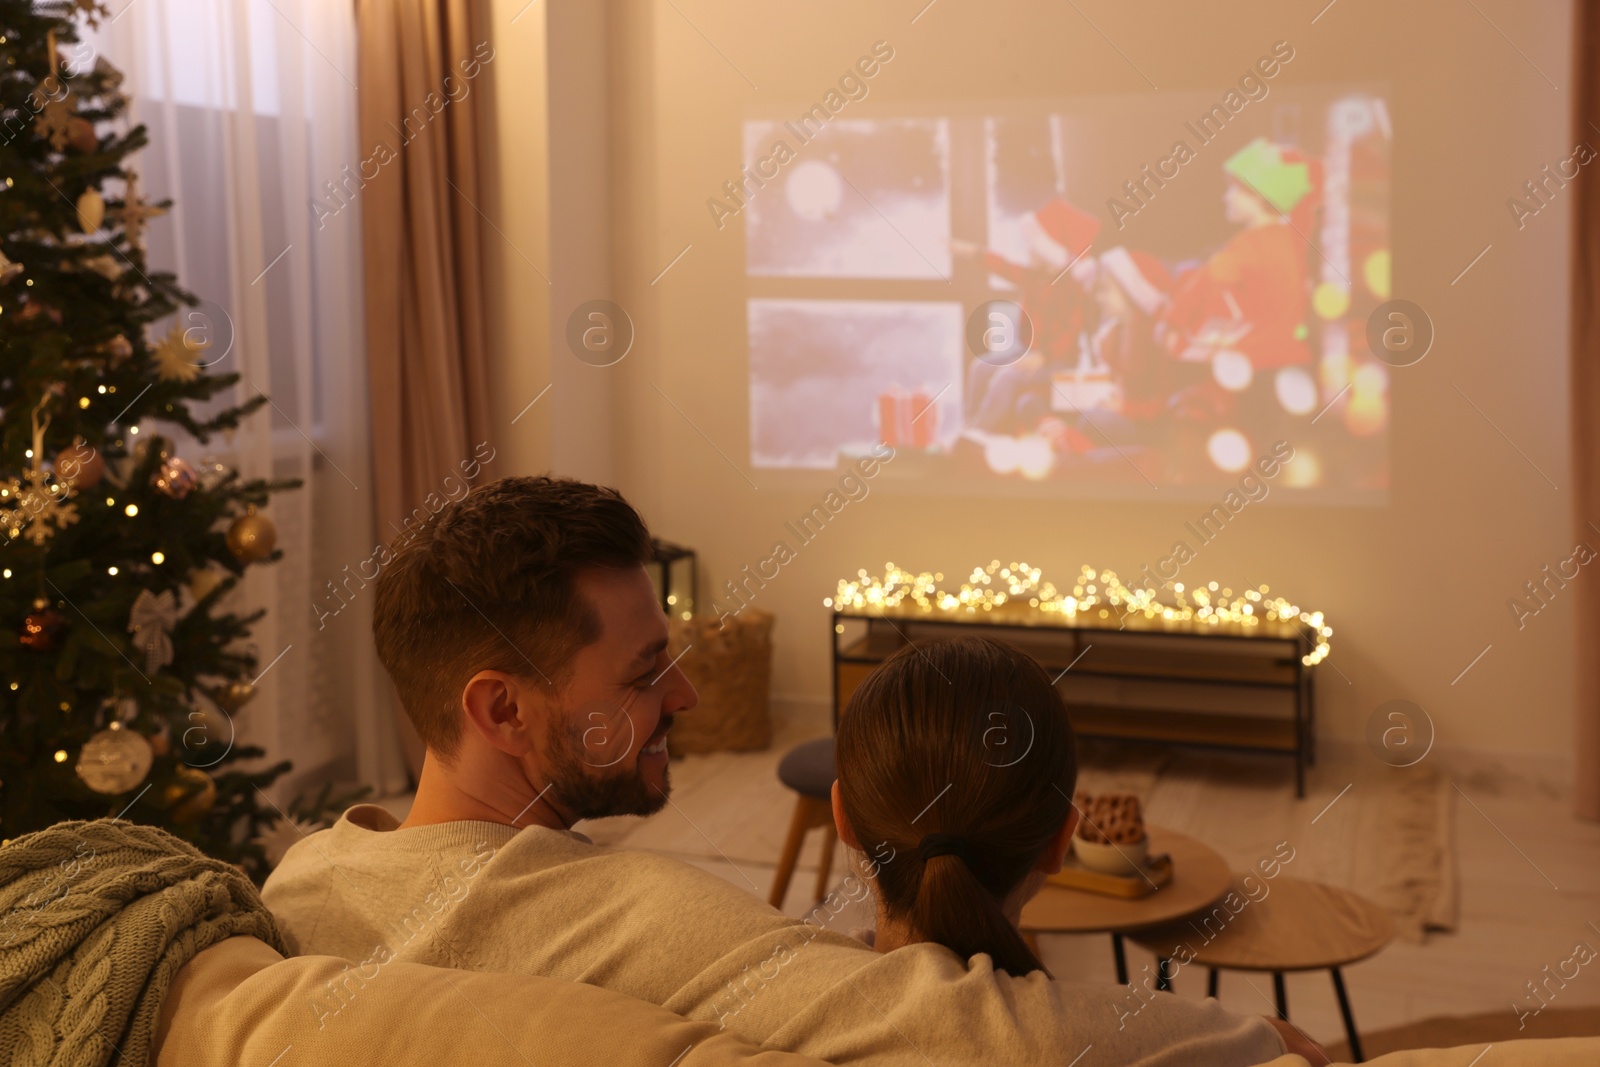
523	635
1257	283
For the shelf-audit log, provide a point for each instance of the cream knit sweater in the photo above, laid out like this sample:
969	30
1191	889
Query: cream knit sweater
486	897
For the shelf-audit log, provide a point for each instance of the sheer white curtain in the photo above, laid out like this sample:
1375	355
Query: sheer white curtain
251	108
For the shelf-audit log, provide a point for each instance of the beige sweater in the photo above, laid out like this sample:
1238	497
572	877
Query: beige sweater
486	897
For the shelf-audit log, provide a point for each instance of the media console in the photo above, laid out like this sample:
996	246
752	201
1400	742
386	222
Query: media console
1125	677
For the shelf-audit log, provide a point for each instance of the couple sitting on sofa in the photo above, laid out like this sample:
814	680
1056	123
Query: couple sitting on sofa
522	632
524	638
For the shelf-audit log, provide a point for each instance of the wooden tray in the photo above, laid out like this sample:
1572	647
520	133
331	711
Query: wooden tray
1074	875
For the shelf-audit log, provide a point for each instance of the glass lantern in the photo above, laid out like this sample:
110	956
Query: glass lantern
675	573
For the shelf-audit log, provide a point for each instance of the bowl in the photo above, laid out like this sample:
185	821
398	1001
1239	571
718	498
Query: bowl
1112	859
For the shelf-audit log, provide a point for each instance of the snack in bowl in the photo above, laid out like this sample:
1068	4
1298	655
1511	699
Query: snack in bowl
1110	837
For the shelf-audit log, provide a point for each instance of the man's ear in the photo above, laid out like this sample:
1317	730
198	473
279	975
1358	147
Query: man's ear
841	821
503	710
1055	850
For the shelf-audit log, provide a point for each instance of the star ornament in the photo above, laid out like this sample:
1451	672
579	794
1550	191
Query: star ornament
135	212
177	355
54	124
38	506
91	10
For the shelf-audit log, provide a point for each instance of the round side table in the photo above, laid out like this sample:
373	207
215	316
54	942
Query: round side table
1200	877
1297	926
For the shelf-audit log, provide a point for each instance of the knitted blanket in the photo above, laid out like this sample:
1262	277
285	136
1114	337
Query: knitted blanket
96	918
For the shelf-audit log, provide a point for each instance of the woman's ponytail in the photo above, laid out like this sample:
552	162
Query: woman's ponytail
956	910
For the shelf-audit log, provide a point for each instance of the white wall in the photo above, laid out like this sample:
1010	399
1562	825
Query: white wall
1414	590
549	149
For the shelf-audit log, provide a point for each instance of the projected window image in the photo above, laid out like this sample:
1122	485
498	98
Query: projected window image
1165	315
847	197
819	356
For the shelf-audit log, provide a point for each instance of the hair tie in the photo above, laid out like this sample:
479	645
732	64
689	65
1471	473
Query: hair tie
945	845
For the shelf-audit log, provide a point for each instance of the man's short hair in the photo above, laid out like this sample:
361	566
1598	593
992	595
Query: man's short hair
489	584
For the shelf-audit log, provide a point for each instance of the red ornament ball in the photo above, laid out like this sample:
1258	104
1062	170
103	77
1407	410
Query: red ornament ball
81	464
41	629
81	135
175	477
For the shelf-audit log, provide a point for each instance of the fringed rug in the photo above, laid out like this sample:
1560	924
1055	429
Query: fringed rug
1380	831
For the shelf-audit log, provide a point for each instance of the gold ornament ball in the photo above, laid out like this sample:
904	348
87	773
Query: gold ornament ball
198	790
230	698
115	760
252	537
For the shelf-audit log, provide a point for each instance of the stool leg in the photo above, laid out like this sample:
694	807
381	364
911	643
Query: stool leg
791	852
1121	958
1349	1019
1211	981
1163	975
825	863
1281	994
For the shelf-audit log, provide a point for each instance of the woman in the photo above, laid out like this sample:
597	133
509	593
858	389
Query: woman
956	766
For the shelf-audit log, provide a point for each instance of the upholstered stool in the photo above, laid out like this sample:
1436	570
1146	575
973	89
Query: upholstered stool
808	770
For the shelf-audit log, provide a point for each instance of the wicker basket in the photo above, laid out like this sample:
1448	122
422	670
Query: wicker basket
731	667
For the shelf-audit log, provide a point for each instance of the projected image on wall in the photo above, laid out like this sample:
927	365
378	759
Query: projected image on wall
1044	295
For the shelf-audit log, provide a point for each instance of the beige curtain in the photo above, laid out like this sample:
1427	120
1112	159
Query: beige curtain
419	94
1586	401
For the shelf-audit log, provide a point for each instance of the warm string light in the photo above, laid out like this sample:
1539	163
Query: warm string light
1019	589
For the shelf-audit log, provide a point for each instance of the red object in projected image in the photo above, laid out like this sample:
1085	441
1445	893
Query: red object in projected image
889	419
924	420
907	420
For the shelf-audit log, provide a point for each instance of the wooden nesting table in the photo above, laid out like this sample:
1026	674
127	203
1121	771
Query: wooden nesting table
1200	877
1295	926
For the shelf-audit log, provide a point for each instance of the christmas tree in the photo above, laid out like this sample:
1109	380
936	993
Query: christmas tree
121	663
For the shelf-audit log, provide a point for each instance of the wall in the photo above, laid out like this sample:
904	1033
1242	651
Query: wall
1415	590
547	224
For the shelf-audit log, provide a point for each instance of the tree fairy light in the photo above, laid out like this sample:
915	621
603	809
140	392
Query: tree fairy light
1019	593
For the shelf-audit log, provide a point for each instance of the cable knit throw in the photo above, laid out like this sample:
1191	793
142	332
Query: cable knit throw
96	918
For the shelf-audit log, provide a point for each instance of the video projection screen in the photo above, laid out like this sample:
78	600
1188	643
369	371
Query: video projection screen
1017	294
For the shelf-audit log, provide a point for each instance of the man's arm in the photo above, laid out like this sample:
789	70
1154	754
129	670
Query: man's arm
241	1002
